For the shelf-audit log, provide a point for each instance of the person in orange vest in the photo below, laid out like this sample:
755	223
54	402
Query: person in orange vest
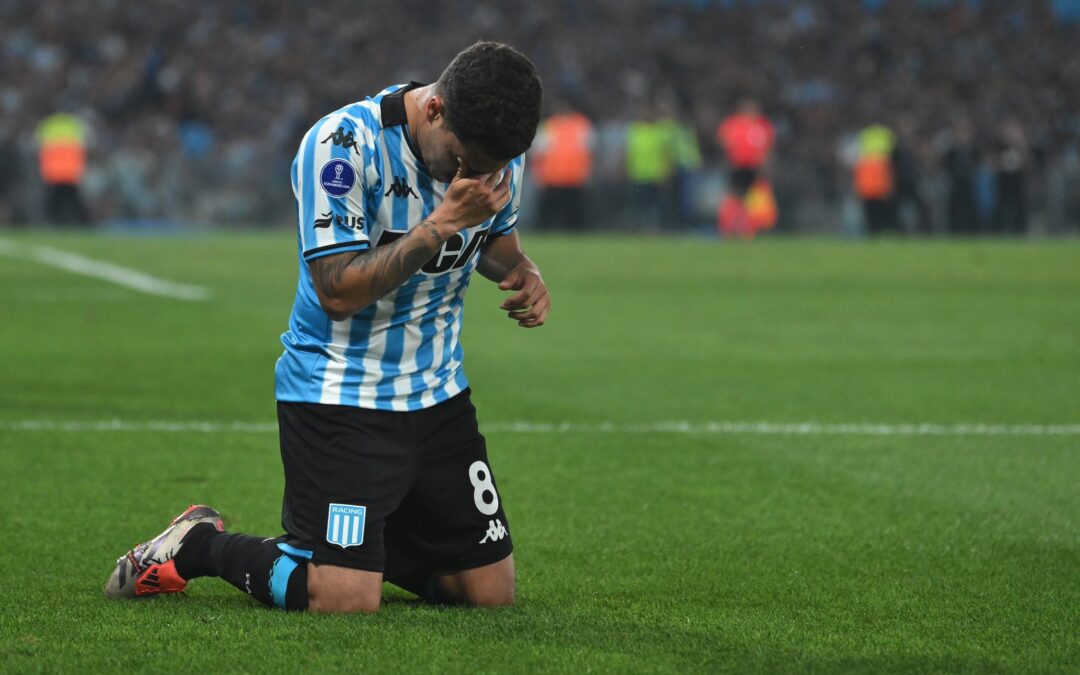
747	138
561	160
874	177
61	139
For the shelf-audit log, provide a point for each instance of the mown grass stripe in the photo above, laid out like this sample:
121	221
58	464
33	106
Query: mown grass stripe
714	427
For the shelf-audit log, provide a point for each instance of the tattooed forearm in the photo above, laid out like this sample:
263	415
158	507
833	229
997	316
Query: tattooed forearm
433	231
361	278
330	270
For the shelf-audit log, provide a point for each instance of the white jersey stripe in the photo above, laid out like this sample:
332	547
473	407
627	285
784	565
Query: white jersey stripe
336	362
417	210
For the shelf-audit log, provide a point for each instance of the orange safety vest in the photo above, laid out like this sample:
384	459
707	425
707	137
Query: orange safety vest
874	177
566	159
62	149
62	162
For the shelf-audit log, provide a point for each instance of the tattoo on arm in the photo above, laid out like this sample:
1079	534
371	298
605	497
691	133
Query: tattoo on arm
433	231
385	267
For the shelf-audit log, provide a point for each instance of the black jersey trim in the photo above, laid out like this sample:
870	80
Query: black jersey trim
330	248
392	105
508	226
392	109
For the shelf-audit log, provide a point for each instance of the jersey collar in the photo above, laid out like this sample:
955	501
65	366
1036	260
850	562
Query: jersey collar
392	108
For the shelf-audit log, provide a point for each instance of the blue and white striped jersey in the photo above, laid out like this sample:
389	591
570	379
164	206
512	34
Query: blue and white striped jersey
359	183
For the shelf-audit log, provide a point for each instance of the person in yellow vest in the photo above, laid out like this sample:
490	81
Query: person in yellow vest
61	139
650	165
874	179
686	157
561	162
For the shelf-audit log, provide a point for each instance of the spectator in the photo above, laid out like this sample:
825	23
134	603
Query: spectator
686	163
237	82
912	211
9	177
1012	162
961	162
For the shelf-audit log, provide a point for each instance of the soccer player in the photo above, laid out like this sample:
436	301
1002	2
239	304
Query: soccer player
400	198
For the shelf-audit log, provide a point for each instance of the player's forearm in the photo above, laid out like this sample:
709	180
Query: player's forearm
347	283
500	256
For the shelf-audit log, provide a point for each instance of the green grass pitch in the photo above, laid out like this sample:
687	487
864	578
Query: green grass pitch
638	549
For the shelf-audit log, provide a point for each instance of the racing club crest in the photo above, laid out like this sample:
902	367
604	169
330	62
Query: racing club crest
345	525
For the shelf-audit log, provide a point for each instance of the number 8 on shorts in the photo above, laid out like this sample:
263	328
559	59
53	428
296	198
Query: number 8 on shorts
480	477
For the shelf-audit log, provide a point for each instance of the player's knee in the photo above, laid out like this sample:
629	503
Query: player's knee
337	590
493	596
343	604
492	586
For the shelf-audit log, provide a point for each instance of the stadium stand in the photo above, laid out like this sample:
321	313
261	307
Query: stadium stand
194	109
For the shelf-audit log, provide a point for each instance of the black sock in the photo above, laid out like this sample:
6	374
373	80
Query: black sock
252	564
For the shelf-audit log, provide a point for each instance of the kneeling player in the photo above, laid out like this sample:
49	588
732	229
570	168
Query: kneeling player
400	197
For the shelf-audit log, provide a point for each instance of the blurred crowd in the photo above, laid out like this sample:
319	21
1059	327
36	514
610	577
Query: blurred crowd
191	110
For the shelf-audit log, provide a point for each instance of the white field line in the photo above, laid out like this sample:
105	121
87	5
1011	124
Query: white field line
762	428
122	276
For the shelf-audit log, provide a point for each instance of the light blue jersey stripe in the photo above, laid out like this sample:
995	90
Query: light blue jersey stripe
417	385
451	346
393	351
307	204
339	206
308	214
361	325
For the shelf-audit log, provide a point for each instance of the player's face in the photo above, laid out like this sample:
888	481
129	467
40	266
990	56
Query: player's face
444	150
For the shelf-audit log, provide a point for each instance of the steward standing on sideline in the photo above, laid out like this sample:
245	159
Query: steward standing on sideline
61	139
561	165
400	198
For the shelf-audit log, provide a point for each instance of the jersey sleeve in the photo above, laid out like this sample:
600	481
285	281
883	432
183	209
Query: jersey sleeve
506	219
330	182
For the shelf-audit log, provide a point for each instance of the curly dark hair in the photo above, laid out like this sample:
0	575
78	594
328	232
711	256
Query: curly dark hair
493	98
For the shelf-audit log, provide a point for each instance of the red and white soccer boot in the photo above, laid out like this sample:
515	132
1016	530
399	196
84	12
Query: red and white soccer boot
149	568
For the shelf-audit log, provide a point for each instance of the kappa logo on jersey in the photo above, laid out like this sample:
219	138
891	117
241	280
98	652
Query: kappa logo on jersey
345	140
345	525
328	219
495	532
337	178
400	188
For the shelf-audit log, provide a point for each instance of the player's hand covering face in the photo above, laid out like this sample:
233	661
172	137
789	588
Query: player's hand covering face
471	201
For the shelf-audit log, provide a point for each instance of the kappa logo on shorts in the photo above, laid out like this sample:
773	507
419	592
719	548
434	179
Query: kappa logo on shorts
496	531
345	525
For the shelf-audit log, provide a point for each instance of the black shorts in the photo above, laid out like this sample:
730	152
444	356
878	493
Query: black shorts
392	492
742	179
